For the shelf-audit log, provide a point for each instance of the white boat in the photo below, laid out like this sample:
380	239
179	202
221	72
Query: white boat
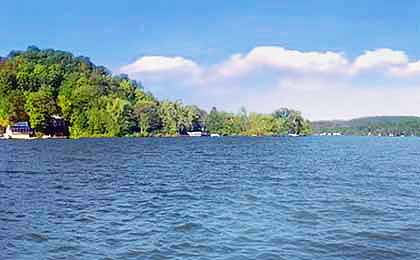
293	135
197	134
20	130
214	135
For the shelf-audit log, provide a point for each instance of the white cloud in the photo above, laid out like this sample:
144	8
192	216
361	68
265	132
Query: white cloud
160	64
324	85
320	99
409	70
379	59
283	59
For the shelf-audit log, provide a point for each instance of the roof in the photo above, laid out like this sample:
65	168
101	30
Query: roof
21	124
56	117
21	127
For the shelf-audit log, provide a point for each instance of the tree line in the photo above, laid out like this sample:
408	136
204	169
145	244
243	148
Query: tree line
36	85
378	125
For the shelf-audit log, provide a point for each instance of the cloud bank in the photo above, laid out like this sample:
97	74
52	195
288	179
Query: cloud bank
324	85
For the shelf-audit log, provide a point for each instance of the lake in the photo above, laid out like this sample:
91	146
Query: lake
211	198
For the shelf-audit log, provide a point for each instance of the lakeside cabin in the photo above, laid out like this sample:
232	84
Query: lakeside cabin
57	128
20	130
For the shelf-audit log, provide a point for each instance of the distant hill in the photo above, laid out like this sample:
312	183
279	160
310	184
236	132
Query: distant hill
378	125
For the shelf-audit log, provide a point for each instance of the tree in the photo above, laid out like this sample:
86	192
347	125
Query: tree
4	110
40	106
146	113
169	113
295	122
120	117
189	119
38	83
215	121
261	124
16	107
232	124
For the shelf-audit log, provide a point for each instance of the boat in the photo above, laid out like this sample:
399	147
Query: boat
20	130
197	133
293	135
214	135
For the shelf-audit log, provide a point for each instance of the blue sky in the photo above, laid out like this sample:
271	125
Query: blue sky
205	34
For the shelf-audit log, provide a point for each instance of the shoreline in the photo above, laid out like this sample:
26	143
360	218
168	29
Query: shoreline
203	137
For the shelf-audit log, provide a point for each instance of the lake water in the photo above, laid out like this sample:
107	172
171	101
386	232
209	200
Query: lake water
211	198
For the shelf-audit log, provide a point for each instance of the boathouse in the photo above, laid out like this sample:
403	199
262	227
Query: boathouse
57	128
20	130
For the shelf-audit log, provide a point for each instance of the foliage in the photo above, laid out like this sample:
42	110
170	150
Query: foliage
295	123
40	106
36	85
266	125
146	113
380	125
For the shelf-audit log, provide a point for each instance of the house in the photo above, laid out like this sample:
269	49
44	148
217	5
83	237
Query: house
57	127
20	130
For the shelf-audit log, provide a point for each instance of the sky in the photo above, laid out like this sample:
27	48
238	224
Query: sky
331	59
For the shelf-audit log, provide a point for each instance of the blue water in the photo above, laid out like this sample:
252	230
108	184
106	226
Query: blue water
210	198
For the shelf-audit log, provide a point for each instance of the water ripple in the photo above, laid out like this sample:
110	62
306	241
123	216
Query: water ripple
201	198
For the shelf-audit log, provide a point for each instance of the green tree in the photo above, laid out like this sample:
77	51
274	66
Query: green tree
16	107
263	125
146	113
215	121
36	84
120	117
169	113
295	122
189	119
40	106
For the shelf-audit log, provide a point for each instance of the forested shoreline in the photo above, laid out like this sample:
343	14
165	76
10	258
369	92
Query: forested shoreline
376	125
36	85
